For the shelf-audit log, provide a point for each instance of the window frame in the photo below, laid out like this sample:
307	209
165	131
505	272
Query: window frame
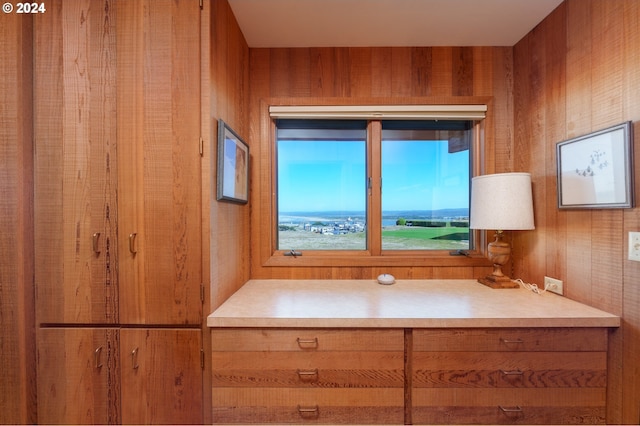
373	255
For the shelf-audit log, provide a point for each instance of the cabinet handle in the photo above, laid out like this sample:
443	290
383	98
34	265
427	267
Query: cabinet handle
307	343
96	358
512	372
134	358
132	243
94	243
511	341
516	409
308	411
308	375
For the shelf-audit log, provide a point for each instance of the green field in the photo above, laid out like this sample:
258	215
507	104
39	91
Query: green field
421	238
393	238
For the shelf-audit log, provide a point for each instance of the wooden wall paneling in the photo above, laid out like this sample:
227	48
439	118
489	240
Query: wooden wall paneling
207	196
554	233
421	70
229	243
17	333
591	81
401	72
360	72
578	279
607	77
381	73
628	410
442	71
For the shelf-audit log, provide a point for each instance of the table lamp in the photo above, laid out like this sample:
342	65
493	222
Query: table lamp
501	202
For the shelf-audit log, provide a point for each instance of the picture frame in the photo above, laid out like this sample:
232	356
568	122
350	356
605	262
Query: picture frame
233	166
595	171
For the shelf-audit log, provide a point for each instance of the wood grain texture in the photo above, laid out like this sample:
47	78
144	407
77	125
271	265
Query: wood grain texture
229	239
161	378
75	368
75	164
576	73
17	324
158	98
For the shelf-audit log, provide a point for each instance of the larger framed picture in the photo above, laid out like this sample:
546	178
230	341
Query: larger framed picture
233	166
595	171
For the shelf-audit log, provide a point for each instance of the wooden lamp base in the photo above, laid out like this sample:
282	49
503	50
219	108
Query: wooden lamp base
498	282
498	253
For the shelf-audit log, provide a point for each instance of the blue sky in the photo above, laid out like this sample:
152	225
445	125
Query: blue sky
329	176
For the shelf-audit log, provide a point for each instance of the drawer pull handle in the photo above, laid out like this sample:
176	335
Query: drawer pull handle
512	372
307	343
516	409
308	375
511	341
134	359
308	411
94	243
132	243
96	358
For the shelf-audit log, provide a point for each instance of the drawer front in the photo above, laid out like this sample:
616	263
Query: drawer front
511	339
308	369
504	369
509	406
306	339
322	406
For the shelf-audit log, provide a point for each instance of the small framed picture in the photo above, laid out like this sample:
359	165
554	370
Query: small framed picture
233	166
595	171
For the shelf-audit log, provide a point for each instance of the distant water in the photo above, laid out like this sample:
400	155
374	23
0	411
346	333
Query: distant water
388	217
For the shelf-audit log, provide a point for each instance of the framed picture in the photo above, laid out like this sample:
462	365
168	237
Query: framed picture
595	171
233	166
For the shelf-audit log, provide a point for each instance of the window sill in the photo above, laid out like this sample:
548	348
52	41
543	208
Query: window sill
333	259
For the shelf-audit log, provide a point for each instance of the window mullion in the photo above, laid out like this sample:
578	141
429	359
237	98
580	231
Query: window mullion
374	152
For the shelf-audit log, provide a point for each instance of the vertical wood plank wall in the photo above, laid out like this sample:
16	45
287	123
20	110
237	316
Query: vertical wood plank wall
17	316
391	74
577	72
228	247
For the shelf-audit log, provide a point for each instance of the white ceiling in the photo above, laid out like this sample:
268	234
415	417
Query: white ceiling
318	23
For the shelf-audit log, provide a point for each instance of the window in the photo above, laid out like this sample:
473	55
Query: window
426	172
376	186
321	185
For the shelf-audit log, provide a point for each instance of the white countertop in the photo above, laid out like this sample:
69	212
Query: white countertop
405	304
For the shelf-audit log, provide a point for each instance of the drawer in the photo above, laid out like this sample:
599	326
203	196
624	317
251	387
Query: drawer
510	339
509	406
323	406
308	369
505	369
306	339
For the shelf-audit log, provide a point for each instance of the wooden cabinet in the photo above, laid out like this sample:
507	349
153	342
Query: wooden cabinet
156	372
308	375
410	376
503	376
117	211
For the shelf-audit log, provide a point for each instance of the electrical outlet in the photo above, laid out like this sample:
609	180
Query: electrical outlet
634	246
554	285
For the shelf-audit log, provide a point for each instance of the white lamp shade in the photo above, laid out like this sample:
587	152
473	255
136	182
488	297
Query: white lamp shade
501	202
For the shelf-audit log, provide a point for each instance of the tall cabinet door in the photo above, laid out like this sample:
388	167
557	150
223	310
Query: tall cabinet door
161	376
159	225
75	170
75	369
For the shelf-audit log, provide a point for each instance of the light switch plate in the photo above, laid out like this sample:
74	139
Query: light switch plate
634	246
